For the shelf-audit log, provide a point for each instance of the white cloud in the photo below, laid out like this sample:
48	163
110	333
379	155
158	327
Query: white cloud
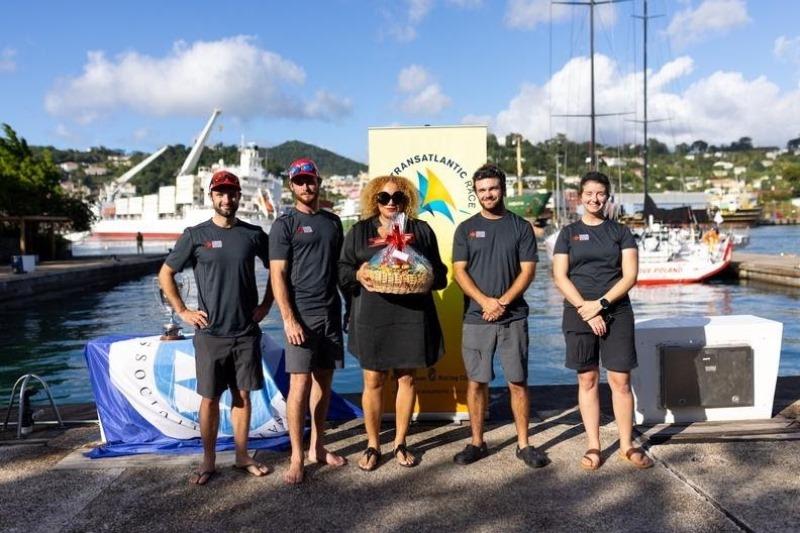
61	131
423	96
7	62
477	119
232	73
466	4
671	71
403	18
711	18
418	10
787	49
140	134
412	78
720	108
527	14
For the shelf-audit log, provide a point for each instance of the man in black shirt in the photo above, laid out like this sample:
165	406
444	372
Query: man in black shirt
494	259
227	339
304	249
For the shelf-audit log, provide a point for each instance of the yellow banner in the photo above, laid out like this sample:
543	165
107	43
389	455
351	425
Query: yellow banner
440	161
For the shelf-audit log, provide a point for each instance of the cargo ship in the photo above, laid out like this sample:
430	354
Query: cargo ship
162	217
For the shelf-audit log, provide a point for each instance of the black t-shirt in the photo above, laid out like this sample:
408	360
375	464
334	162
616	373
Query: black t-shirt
493	250
595	256
310	244
223	260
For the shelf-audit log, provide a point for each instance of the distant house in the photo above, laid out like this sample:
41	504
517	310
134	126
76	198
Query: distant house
120	159
69	166
95	170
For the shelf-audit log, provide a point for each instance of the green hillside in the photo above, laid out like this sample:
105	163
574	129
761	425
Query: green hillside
329	163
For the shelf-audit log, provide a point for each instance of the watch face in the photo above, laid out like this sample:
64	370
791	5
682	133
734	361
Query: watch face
604	303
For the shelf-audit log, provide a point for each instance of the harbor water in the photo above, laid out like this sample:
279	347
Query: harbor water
48	338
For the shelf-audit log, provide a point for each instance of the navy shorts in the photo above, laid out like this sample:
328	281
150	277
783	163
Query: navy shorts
323	347
616	349
227	362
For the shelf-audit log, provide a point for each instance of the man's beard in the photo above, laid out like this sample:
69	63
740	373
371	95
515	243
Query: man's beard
227	213
310	203
498	205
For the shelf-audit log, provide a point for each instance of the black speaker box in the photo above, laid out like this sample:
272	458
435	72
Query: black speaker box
692	376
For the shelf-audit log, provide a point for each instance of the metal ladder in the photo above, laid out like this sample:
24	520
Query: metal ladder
23	380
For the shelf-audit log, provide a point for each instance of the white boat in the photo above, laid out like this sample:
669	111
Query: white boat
161	218
676	255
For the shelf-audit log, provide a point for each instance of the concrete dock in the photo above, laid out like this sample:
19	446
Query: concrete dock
56	279
706	478
774	269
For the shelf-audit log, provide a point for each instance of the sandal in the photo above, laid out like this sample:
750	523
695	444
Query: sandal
645	461
592	464
202	477
369	453
402	449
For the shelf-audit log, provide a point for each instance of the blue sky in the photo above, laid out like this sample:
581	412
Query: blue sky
137	75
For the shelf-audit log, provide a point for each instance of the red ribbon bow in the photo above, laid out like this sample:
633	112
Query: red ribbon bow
395	238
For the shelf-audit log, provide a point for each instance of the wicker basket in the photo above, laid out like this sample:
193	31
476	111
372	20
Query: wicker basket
395	280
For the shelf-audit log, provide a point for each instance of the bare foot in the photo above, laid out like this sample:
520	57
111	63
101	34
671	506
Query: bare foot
294	475
205	471
323	456
252	467
201	477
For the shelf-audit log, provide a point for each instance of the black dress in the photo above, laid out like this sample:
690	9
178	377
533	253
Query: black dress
388	331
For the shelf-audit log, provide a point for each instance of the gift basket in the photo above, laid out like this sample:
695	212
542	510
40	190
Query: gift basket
398	268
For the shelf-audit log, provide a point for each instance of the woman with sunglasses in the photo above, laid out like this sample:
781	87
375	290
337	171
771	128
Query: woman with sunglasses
389	332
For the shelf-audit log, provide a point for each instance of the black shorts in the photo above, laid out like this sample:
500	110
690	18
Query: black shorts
227	362
616	349
323	348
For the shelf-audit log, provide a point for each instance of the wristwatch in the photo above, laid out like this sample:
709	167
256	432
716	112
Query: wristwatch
604	304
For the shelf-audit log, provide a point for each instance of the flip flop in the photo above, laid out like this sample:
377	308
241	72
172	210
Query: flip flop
369	453
592	464
645	462
205	476
402	449
254	469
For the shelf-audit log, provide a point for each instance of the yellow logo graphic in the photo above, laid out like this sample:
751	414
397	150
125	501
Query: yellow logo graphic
434	198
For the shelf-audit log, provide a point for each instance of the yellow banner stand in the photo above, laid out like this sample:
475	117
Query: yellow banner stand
440	161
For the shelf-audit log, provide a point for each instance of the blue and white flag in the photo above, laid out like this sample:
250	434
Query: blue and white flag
146	401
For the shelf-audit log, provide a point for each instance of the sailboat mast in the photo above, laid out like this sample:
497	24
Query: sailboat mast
644	76
593	115
592	150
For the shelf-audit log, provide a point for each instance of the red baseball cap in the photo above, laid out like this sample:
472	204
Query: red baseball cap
223	178
303	167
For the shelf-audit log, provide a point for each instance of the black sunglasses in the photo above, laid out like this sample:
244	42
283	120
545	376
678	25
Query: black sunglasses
304	179
397	197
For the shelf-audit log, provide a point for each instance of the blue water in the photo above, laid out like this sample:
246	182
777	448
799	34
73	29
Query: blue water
774	240
48	338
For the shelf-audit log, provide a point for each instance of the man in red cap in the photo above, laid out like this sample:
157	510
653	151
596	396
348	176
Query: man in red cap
304	249
227	340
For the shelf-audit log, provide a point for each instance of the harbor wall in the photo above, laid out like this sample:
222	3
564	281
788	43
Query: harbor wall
60	278
774	269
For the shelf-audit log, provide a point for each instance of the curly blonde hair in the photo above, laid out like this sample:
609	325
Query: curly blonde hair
369	202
